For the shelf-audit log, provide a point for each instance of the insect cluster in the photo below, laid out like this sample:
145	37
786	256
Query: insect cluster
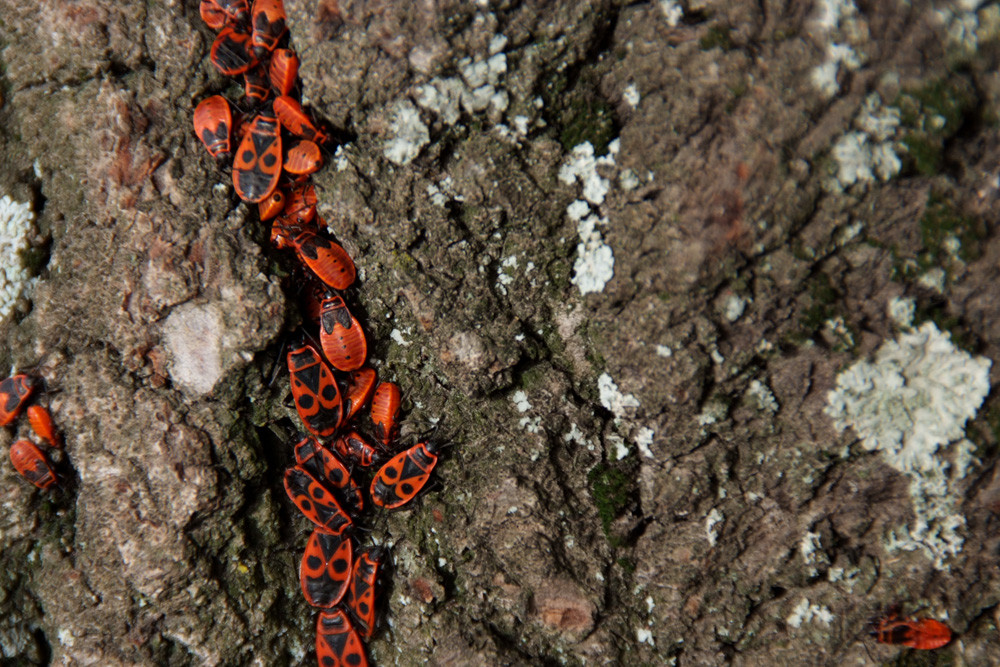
28	458
330	383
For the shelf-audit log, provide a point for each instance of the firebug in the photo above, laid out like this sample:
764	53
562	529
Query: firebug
212	14
359	389
316	501
294	119
310	300
283	71
281	233
256	83
41	423
385	412
257	164
272	205
237	11
326	259
303	158
231	52
341	336
327	468
14	392
922	633
337	643
363	588
315	391
301	206
403	476
32	464
355	446
213	123
268	25
325	572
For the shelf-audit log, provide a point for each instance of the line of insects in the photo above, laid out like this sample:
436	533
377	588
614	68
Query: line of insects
274	147
28	458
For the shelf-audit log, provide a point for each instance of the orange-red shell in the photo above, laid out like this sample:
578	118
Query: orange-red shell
41	423
257	163
385	411
303	158
923	633
14	393
32	464
283	71
341	336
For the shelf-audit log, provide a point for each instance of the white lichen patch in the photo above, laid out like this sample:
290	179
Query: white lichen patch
961	20
66	637
397	336
734	307
762	396
664	351
809	548
804	612
531	424
933	279
829	13
582	166
838	27
643	439
846	578
850	232
712	521
618	403
616	444
408	134
193	334
936	530
912	400
521	401
477	88
915	397
712	413
340	161
869	151
578	436
672	12
853	157
506	275
595	262
901	310
16	228
631	95
628	180
836	328
877	121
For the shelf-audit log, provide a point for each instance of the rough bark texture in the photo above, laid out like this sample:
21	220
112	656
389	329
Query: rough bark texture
558	530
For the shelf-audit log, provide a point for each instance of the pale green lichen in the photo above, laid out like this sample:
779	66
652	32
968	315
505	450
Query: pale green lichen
870	151
16	227
911	401
914	398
